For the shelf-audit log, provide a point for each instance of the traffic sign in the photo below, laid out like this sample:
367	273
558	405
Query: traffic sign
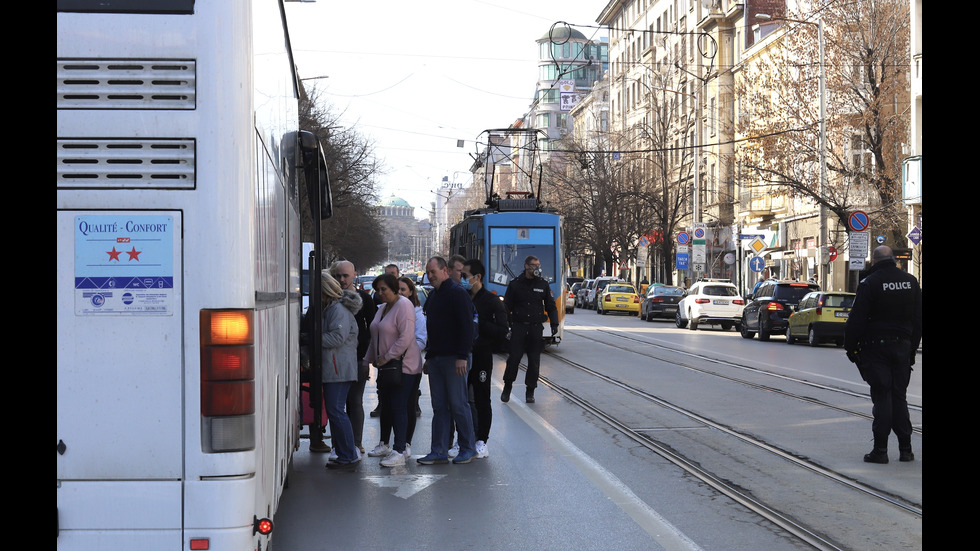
832	251
858	245
683	238
757	263
757	245
915	236
858	220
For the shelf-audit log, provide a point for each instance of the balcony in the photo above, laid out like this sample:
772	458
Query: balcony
762	205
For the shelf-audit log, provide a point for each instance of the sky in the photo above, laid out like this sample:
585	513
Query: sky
415	77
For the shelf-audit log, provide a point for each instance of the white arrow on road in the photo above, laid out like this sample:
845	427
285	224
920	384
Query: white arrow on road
408	485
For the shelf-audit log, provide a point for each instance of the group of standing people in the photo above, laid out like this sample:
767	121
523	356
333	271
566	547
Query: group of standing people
460	327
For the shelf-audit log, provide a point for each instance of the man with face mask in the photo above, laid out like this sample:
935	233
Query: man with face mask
527	299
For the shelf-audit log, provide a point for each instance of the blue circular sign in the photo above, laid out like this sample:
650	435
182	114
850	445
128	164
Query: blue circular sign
683	238
756	263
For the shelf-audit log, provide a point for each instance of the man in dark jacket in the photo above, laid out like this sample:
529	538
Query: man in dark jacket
527	299
449	325
492	331
882	333
343	271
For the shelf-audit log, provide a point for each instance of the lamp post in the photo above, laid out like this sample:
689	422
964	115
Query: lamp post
823	251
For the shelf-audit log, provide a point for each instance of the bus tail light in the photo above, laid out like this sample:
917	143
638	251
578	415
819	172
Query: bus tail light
262	526
227	380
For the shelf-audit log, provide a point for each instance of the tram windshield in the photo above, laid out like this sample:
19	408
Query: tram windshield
510	246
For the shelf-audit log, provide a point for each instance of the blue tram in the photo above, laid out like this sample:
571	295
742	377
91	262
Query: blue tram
507	233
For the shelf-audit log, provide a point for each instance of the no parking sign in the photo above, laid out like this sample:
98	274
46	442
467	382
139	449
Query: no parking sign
858	220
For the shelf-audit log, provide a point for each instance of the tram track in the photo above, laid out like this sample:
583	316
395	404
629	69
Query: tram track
796	527
755	370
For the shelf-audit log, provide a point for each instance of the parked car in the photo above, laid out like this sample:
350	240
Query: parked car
364	282
570	299
820	317
767	311
617	296
713	301
596	289
582	294
660	302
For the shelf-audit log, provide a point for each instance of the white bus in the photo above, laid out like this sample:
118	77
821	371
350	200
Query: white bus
178	296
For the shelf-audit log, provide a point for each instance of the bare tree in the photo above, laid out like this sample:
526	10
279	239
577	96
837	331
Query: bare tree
355	231
604	196
867	121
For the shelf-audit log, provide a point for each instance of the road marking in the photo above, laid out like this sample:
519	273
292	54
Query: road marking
407	484
666	534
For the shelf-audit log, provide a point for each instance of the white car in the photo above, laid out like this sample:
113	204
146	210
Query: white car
714	301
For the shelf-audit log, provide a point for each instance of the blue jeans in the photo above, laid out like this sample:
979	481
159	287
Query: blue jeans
448	393
341	431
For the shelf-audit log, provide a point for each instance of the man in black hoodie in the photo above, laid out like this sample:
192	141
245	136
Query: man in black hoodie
493	331
881	336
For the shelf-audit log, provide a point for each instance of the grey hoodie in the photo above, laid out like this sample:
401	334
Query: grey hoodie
339	340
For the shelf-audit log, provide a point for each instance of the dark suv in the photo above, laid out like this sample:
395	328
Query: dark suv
768	310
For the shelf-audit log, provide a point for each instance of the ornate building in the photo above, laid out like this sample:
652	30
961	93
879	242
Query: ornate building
407	237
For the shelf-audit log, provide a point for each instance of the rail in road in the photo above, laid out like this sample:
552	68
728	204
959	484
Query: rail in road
746	446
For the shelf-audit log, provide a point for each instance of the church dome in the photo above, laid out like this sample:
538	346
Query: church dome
395	201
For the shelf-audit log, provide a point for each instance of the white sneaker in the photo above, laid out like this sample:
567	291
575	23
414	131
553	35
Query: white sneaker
454	451
408	450
381	450
394	459
333	455
481	449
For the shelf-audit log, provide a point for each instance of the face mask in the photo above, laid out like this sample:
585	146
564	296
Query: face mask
465	283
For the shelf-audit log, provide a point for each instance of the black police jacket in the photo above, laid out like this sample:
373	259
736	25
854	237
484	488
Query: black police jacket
527	300
888	305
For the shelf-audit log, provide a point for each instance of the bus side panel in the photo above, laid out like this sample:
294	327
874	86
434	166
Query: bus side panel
95	515
119	381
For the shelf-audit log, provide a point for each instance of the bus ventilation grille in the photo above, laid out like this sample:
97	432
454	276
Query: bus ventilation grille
126	164
126	84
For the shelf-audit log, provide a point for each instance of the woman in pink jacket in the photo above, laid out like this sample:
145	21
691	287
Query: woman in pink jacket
393	338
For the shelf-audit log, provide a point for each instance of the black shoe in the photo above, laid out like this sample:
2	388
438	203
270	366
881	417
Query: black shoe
338	466
876	456
906	455
505	396
529	397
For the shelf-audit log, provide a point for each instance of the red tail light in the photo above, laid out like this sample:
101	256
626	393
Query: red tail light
227	379
636	299
702	300
657	299
774	306
738	301
608	298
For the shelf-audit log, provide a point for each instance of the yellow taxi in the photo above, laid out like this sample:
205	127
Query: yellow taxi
618	297
819	317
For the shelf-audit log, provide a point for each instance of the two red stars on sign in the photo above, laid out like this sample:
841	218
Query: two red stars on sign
133	254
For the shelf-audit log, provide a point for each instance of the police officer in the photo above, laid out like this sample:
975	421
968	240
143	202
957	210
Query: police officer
527	298
881	336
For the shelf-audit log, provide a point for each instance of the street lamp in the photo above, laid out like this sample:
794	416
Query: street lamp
821	265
